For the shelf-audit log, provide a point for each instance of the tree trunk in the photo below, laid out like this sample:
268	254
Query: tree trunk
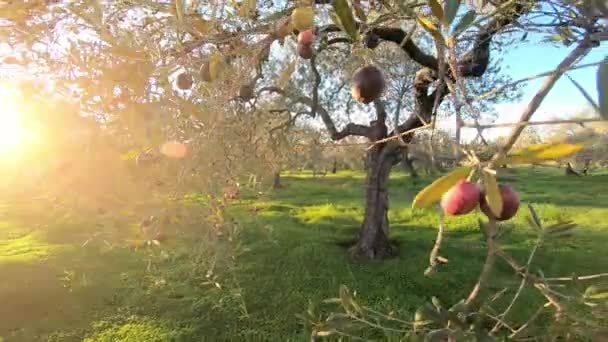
276	179
408	164
373	236
334	168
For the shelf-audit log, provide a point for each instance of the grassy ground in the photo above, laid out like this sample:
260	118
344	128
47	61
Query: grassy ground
290	252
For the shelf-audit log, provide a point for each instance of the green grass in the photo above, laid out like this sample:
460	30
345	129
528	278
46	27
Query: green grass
291	252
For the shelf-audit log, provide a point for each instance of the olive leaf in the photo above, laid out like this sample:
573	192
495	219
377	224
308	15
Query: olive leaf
596	292
466	21
348	303
432	193
286	74
436	9
247	8
492	192
346	17
359	10
541	152
444	334
430	28
449	11
179	11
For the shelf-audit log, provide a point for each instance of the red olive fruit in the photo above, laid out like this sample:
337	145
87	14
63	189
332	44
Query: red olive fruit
510	203
461	199
246	92
306	37
160	236
184	81
305	51
368	84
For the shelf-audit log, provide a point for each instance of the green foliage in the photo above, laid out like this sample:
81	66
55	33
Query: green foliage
346	18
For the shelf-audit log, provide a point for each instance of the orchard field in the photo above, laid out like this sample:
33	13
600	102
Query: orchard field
287	255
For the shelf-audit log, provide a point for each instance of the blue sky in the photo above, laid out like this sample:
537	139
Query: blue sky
564	100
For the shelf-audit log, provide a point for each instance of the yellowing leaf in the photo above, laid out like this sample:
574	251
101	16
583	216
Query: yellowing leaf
430	28
286	74
199	24
346	18
492	193
179	11
215	65
303	18
436	9
432	193
247	8
541	152
336	20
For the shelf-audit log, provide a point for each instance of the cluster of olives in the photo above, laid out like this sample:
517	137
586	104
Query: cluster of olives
465	196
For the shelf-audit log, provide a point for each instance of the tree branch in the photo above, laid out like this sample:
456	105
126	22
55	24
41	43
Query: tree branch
380	110
582	49
533	123
398	36
350	129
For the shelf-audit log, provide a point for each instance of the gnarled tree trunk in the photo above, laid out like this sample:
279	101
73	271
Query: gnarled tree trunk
374	232
373	235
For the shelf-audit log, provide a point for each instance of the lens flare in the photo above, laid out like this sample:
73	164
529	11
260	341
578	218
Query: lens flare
12	133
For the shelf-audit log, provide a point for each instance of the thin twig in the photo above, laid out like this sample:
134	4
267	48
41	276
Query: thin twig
499	321
396	136
581	50
534	123
527	79
538	282
524	280
377	326
488	264
390	318
528	322
435	251
589	277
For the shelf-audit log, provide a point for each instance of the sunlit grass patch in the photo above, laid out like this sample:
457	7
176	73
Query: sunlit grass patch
133	329
325	213
28	249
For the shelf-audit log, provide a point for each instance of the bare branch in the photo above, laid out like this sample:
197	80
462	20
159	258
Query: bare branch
582	49
489	231
527	79
475	62
527	324
399	135
398	36
380	110
350	129
588	277
533	123
434	255
524	280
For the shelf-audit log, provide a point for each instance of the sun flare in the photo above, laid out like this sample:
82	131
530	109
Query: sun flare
12	132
